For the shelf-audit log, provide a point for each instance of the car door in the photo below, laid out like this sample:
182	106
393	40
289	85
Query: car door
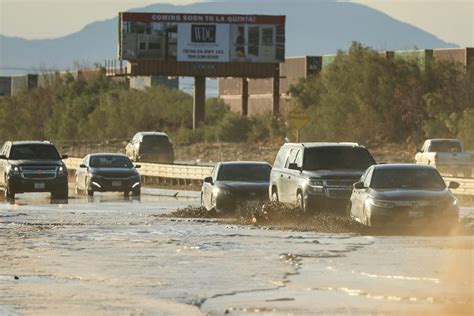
276	175
359	196
286	178
207	188
3	163
293	177
81	174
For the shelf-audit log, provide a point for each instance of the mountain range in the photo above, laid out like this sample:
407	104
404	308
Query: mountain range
312	28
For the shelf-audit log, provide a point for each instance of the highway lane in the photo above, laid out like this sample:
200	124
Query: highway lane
114	255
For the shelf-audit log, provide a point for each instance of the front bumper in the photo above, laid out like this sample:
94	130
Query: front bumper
100	184
21	185
327	199
231	203
406	216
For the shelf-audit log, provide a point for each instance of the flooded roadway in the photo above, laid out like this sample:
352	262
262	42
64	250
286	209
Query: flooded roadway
110	255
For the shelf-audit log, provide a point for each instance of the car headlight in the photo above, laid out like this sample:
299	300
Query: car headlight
217	191
62	171
316	183
14	170
379	203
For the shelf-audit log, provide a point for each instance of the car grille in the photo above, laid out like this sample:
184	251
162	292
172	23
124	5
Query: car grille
32	175
339	193
38	172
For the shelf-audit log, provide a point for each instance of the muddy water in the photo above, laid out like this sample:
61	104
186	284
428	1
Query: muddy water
110	255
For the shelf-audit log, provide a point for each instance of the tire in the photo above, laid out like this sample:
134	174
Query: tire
275	195
90	192
136	192
9	195
300	202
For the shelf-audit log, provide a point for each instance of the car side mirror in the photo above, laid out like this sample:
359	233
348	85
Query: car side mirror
293	166
3	157
64	157
82	165
138	166
208	180
453	185
359	185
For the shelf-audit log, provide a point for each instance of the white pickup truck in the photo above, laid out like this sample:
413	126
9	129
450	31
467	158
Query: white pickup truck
447	155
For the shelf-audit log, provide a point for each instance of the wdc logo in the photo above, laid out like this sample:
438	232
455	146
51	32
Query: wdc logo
203	33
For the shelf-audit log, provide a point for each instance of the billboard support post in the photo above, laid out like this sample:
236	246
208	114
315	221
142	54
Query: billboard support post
199	105
245	96
276	92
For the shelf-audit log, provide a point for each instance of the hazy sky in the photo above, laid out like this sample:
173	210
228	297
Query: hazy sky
450	20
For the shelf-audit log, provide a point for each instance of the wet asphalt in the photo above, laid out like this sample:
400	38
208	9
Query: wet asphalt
111	255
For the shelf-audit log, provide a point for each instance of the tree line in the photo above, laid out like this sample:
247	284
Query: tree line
362	96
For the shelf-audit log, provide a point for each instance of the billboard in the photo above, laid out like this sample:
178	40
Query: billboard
202	37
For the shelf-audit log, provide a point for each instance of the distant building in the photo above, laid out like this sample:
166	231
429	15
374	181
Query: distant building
258	96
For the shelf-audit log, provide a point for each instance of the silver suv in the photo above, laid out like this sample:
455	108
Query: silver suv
150	147
317	176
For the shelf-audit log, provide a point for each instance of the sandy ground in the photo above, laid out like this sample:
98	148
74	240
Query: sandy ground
108	255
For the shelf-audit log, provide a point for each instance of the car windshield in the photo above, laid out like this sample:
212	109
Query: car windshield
445	146
155	141
34	151
110	162
330	158
244	172
409	178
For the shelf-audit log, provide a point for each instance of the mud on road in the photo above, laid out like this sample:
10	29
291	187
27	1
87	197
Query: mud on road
109	255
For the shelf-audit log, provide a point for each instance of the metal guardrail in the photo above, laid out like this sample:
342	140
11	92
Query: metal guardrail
193	173
466	186
180	172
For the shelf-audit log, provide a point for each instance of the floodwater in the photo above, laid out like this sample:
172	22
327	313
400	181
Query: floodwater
110	255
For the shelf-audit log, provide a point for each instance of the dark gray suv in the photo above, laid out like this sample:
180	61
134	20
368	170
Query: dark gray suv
317	176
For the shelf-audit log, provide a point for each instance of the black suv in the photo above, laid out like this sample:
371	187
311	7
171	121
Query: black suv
317	176
32	166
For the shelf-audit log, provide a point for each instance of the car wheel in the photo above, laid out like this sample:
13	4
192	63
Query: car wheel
274	195
9	194
90	192
300	202
136	192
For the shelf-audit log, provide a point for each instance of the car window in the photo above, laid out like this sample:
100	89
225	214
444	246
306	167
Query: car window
368	177
408	178
445	146
281	157
109	161
291	157
244	172
299	158
337	157
34	151
155	141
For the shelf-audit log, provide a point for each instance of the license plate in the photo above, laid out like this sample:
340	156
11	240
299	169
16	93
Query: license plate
39	185
116	183
415	214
